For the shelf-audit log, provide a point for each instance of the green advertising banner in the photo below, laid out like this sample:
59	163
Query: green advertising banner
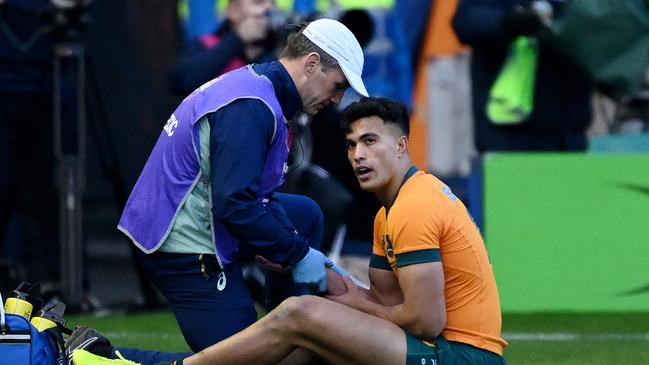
568	232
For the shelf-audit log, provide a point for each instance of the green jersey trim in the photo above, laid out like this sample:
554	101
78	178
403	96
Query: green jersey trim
418	257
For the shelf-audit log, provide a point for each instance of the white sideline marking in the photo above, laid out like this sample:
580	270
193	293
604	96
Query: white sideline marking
573	337
509	336
143	335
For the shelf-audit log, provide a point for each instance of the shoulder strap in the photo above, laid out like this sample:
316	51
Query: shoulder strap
56	333
64	329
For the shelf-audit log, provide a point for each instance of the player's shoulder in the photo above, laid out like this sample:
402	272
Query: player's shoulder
414	196
421	188
380	216
424	193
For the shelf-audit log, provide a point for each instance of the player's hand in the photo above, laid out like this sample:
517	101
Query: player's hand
354	296
312	271
335	283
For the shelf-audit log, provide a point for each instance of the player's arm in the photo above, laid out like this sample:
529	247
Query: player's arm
383	282
422	311
384	286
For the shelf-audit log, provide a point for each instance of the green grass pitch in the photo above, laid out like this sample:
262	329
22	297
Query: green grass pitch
542	338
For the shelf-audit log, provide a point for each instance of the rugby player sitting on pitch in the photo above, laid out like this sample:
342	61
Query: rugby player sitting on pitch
432	296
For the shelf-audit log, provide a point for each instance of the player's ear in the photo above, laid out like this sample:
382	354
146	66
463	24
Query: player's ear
402	145
311	62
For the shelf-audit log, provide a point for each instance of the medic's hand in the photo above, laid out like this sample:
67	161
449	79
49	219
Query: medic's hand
339	270
311	271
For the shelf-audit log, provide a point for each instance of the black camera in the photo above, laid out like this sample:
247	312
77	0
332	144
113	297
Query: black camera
69	18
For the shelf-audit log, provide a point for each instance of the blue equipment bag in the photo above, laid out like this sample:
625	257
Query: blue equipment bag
22	344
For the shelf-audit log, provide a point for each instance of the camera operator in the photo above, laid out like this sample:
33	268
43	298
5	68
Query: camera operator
562	93
28	194
246	36
29	216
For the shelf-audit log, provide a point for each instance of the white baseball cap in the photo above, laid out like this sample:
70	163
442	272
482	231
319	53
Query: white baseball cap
339	42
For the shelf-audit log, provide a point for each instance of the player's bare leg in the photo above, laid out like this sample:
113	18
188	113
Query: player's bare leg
337	333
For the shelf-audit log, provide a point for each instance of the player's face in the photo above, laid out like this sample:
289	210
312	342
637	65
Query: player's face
323	88
373	151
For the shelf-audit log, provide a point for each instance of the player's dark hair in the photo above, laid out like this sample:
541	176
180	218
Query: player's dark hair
392	112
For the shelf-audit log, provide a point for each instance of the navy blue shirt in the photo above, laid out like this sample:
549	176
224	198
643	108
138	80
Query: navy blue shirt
240	137
25	47
200	63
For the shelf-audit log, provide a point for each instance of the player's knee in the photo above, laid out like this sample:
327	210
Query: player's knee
294	317
282	320
295	310
297	306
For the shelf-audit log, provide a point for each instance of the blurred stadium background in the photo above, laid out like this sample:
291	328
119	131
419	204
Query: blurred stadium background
567	233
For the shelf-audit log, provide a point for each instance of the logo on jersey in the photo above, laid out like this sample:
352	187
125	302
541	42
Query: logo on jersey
172	124
387	246
449	193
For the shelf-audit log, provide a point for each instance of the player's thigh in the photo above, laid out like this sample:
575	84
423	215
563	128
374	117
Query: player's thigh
343	335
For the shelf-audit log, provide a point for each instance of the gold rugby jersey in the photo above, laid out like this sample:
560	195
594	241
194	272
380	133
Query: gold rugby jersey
428	223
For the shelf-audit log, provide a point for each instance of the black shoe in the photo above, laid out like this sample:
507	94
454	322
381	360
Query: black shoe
88	339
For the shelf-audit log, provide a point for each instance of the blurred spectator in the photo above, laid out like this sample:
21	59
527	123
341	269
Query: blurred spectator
415	13
244	37
198	17
28	194
388	66
388	62
562	95
441	121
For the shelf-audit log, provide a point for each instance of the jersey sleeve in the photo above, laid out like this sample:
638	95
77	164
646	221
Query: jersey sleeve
417	228
379	259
